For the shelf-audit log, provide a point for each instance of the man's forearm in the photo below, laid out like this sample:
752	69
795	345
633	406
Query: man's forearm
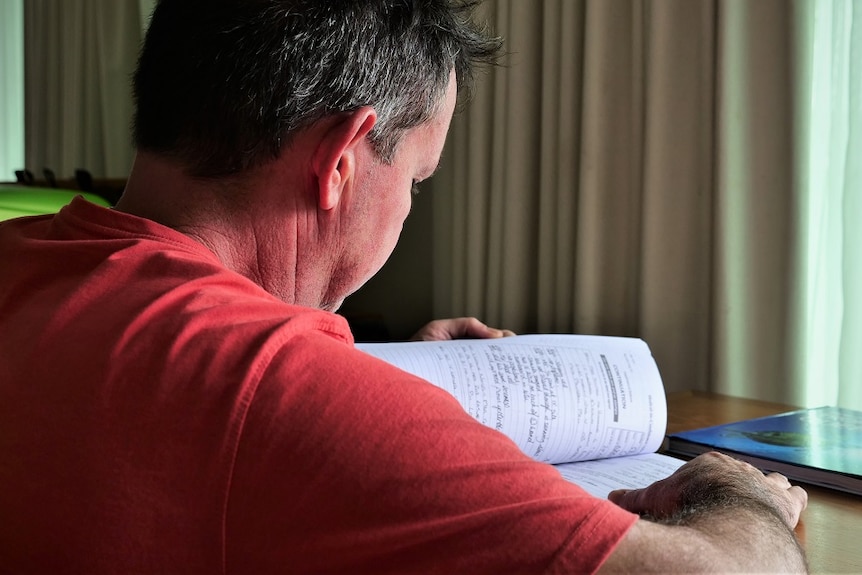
721	540
747	535
714	514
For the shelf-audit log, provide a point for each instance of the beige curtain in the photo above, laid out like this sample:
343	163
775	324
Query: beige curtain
756	207
628	171
79	57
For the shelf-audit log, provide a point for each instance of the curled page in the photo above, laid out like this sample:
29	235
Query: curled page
561	398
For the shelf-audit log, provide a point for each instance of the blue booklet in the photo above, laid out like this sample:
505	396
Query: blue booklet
821	446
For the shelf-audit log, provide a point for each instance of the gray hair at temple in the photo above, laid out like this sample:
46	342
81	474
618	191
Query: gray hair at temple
222	85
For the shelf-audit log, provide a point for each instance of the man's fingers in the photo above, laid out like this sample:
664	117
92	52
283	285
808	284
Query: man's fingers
778	479
458	328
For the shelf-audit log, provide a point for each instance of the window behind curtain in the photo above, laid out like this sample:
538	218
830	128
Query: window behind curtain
831	314
11	88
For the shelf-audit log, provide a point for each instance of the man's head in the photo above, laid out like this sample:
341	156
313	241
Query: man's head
223	85
286	135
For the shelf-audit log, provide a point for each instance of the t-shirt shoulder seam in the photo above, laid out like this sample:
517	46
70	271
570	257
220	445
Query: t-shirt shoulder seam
322	326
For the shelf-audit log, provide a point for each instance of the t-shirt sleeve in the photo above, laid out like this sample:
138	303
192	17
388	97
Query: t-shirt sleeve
347	464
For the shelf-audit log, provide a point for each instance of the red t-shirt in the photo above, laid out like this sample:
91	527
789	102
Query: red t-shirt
159	413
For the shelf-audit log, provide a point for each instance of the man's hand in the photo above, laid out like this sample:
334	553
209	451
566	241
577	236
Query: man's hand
714	514
714	475
458	328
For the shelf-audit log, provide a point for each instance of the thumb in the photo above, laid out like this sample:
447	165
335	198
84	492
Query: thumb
634	500
618	495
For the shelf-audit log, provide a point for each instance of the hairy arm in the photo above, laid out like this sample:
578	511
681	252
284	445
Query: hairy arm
716	514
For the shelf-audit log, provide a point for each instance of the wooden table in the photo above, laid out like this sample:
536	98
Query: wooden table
830	528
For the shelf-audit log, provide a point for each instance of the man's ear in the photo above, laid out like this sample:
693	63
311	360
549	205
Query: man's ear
334	161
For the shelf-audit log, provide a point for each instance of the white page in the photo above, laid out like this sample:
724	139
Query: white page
602	476
559	397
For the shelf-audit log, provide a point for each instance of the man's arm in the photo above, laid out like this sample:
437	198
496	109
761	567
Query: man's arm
714	514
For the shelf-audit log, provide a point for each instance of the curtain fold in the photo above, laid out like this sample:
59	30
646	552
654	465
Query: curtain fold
560	118
609	195
676	256
79	56
756	199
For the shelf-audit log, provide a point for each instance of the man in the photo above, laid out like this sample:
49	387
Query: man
175	395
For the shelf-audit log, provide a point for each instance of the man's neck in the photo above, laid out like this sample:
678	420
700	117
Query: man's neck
248	233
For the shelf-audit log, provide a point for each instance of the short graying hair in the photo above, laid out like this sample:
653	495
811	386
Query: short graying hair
222	85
